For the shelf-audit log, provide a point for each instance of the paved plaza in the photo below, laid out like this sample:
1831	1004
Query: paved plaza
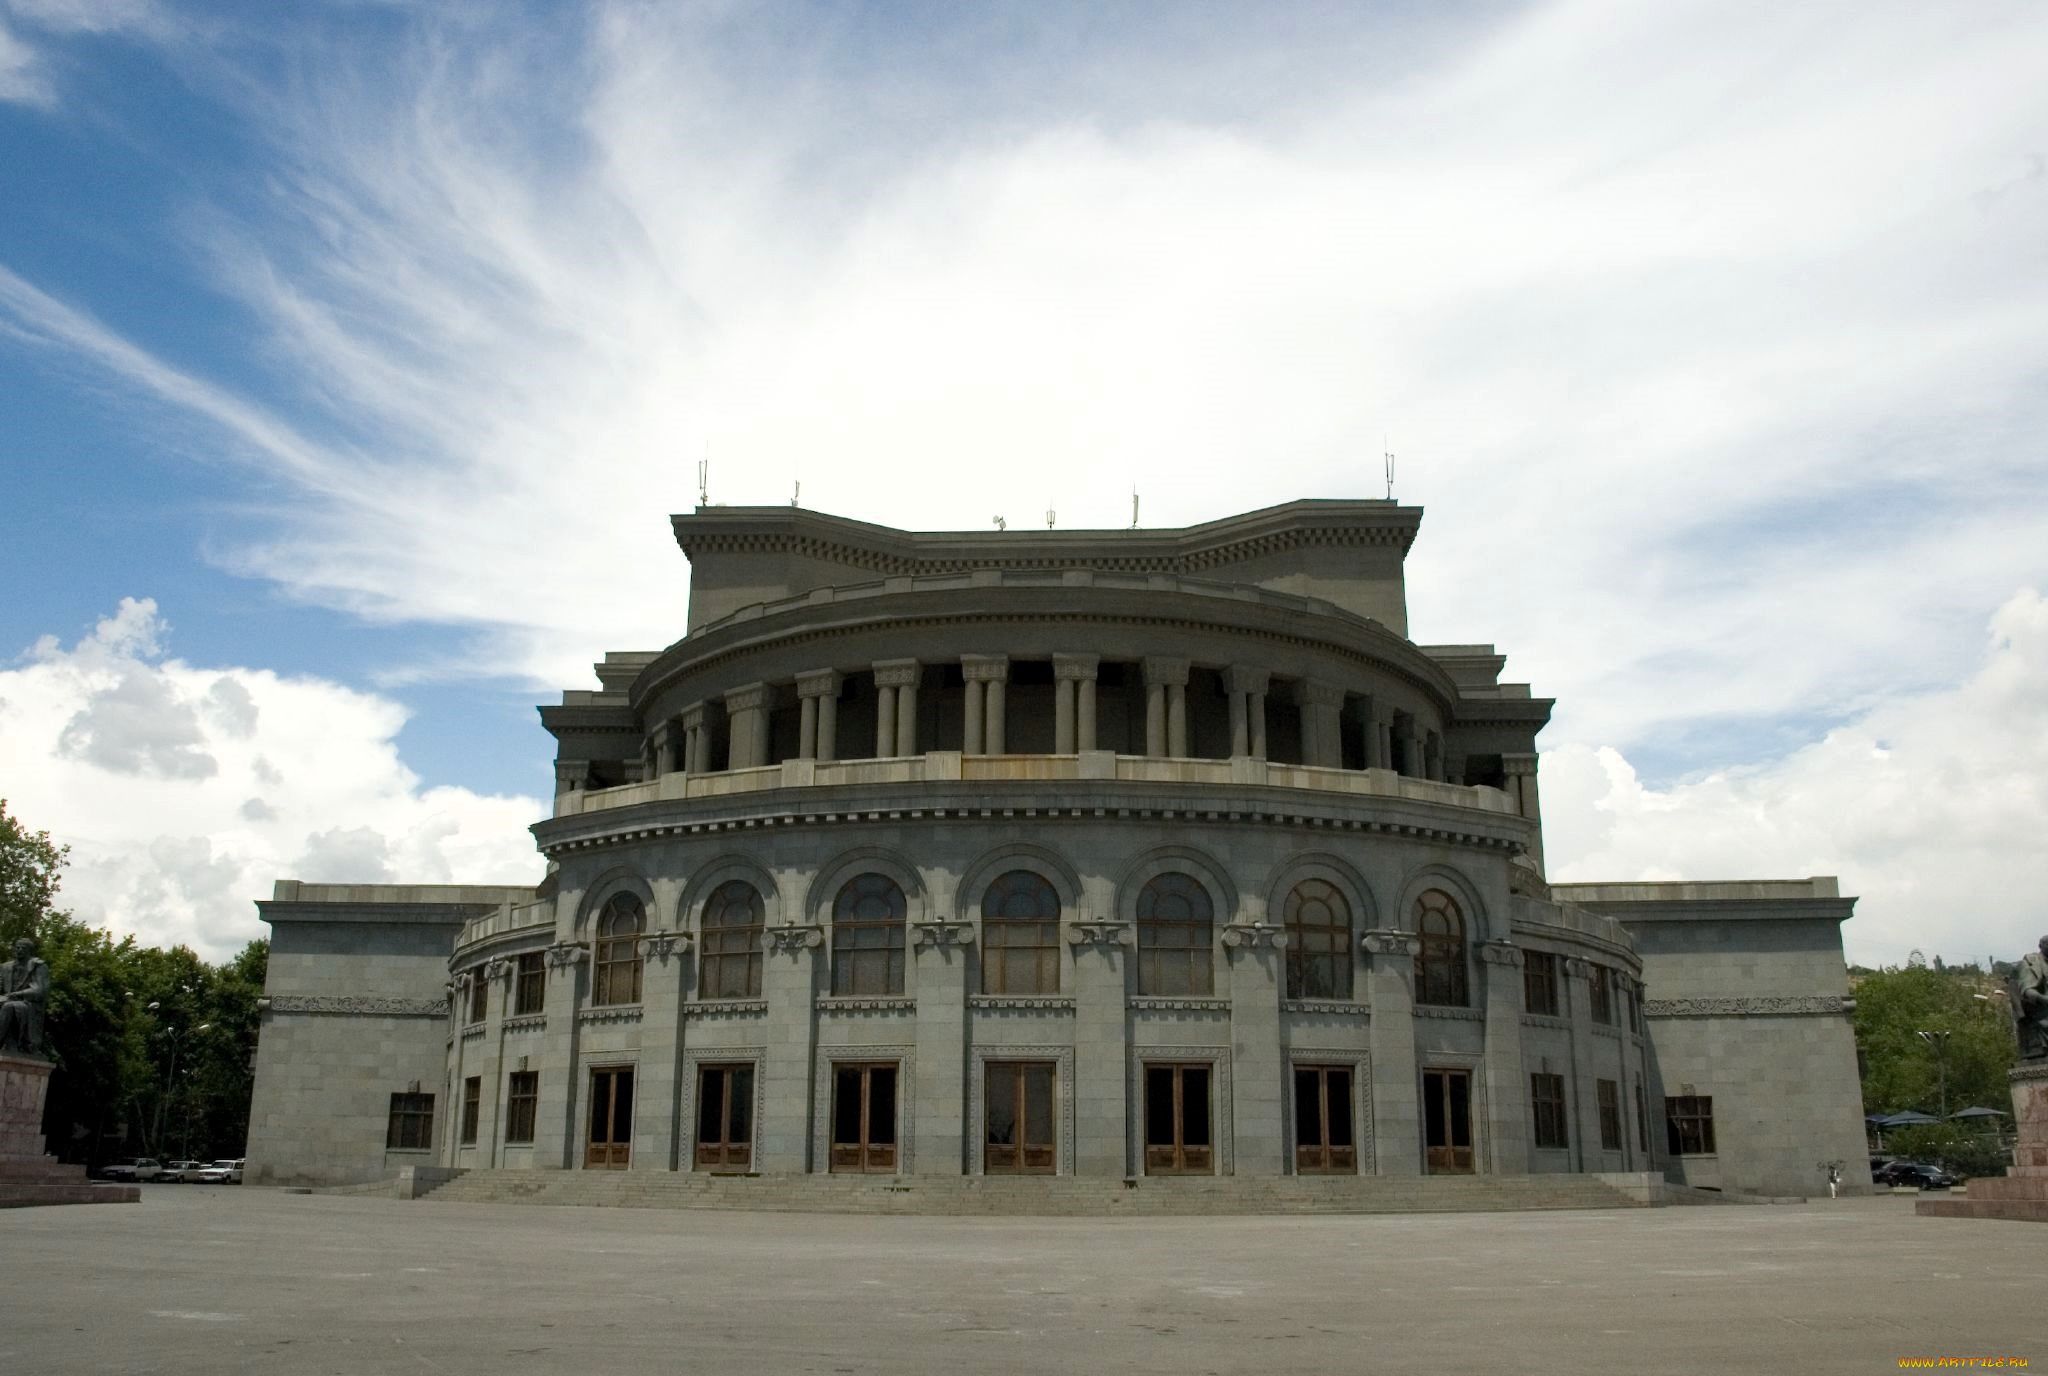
215	1280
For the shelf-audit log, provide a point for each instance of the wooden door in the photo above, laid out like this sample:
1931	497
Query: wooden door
1179	1135
1447	1121
610	1144
725	1117
1324	1140
864	1117
1020	1113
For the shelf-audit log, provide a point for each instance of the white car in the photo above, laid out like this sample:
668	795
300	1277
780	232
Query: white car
180	1172
220	1173
142	1168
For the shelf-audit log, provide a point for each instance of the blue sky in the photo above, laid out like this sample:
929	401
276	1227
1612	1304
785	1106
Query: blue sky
352	355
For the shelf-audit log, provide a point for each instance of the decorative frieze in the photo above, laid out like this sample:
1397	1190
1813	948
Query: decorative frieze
1177	1003
726	1008
619	1013
940	934
1021	1003
1255	936
357	1005
1752	1006
1325	1008
529	1022
1500	953
1434	1010
842	1003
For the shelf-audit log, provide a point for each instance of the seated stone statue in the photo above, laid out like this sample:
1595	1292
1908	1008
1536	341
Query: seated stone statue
2029	994
24	986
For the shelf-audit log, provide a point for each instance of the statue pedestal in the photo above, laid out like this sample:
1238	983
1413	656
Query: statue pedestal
27	1174
2023	1193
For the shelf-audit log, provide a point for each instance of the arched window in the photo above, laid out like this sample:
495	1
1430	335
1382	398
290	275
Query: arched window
729	943
1020	935
616	975
1440	966
867	936
1318	942
1176	940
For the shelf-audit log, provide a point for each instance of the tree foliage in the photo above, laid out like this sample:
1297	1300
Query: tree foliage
1903	1070
153	1048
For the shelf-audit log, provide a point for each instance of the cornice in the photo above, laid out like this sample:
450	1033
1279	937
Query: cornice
356	1005
1751	1006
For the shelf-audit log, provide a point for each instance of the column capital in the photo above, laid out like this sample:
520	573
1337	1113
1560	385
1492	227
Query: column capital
984	668
1314	692
1169	672
692	717
1246	678
1500	953
1518	763
747	697
1075	666
1252	935
897	673
1391	942
1578	968
818	683
662	945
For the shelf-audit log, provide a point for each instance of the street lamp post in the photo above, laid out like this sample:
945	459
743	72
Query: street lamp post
174	1036
1939	1041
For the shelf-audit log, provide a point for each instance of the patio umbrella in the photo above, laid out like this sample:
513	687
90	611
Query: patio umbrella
1907	1118
1979	1113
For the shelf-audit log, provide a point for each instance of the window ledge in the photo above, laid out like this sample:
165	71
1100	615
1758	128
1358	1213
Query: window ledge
1043	1003
1340	1007
610	1012
725	1008
861	1003
1179	1003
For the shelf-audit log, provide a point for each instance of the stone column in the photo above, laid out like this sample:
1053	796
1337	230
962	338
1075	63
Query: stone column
1383	743
1396	1079
490	1144
1101	1086
1063	716
899	676
987	678
693	739
818	690
1170	675
885	716
1507	1082
746	714
667	748
939	982
1247	685
1075	724
657	1081
1584	1108
1322	723
1521	781
1257	962
571	776
1155	718
971	738
1418	761
789	982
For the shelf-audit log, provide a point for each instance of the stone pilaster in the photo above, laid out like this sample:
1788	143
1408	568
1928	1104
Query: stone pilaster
896	709
1257	963
571	776
746	718
1396	1099
1585	1102
656	1135
988	678
1101	1129
1521	786
1074	714
789	982
692	719
818	730
1166	707
939	957
557	1134
1507	1084
1322	736
1247	685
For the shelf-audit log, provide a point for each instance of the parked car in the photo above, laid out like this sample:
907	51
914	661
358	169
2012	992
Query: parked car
180	1172
1920	1176
221	1173
139	1169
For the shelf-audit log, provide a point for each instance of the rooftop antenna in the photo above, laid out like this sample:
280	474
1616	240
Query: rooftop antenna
1050	516
1389	456
704	478
798	493
1134	508
1001	524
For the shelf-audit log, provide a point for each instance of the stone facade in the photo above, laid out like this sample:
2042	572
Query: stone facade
1096	853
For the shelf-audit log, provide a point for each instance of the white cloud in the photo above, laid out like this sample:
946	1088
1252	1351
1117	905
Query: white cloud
1929	807
22	77
301	778
24	70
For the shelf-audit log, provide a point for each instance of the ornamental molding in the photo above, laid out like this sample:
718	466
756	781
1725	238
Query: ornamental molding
939	933
567	955
525	1022
662	945
841	1003
1021	1003
1255	936
1432	1010
358	1005
2028	1071
1178	1003
1325	1007
726	1008
748	697
474	1033
499	968
985	668
1578	968
818	683
828	1059
1107	934
1758	1006
1062	1057
1601	1029
1500	953
897	673
1547	1020
793	940
1077	667
1389	942
621	1013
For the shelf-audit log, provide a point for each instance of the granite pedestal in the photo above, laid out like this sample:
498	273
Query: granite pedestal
27	1174
2023	1193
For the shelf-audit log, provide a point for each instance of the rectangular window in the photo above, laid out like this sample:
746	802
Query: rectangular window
1610	1114
532	984
1546	1096
1539	983
1600	993
479	997
411	1127
1020	956
522	1097
472	1108
1689	1124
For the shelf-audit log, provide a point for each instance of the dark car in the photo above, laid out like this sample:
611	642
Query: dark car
1916	1175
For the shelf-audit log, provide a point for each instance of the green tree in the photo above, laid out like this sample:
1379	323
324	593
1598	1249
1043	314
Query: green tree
1901	1069
30	865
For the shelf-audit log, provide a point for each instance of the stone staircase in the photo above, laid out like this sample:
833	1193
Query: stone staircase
1041	1195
